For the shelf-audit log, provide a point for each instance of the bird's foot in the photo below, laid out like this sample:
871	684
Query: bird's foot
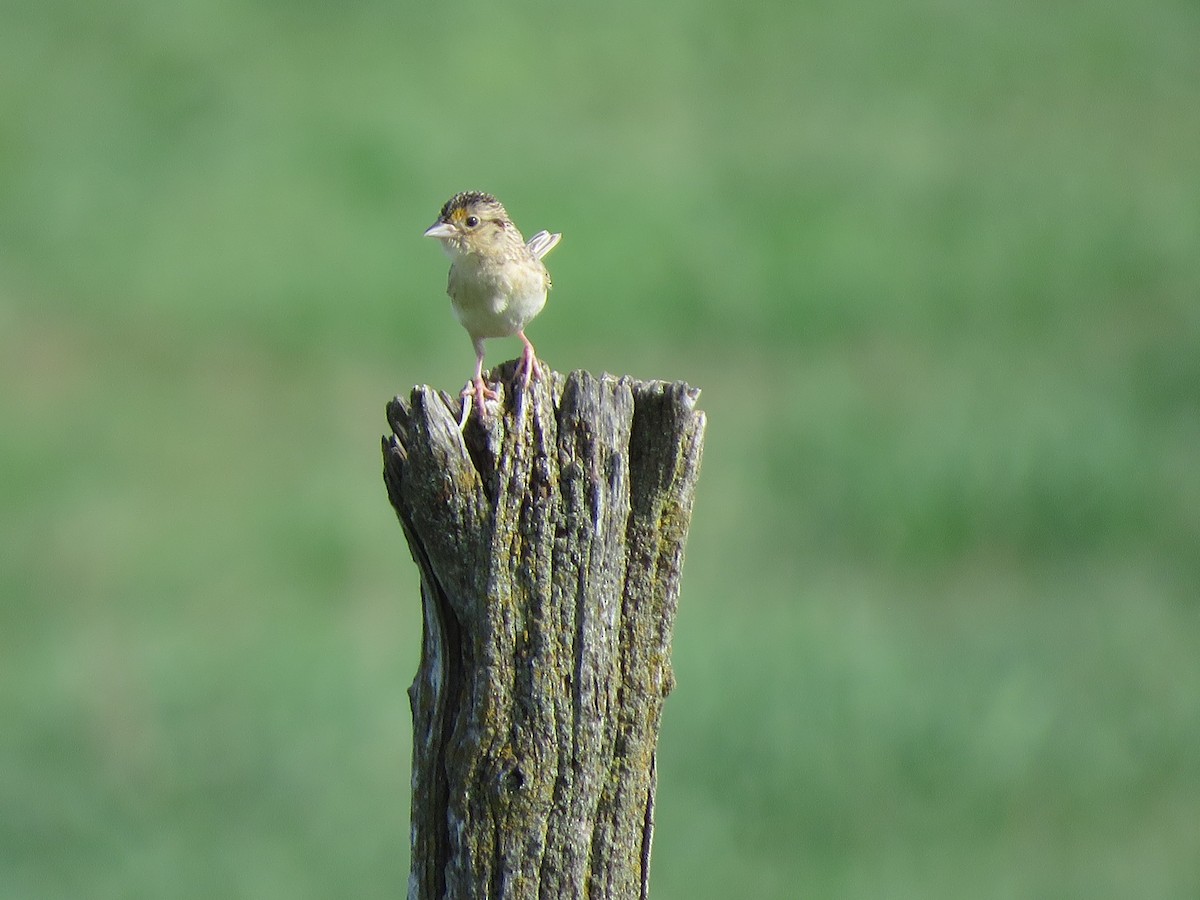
527	366
478	391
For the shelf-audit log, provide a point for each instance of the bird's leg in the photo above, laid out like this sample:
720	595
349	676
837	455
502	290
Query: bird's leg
528	365
477	388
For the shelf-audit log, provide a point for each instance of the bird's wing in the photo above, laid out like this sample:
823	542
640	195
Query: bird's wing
542	243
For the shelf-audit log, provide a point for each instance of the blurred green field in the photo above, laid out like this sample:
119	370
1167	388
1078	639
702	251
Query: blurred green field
935	266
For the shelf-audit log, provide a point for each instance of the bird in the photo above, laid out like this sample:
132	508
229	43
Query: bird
497	281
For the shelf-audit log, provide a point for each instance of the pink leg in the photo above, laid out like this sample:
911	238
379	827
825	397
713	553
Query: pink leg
478	389
528	366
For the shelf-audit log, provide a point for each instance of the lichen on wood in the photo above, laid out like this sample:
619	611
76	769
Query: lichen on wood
549	538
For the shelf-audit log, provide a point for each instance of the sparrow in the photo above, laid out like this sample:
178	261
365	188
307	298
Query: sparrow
497	282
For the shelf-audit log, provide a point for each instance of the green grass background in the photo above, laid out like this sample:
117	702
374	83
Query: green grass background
936	267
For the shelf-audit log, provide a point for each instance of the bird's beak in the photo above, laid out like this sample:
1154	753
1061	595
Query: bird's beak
440	229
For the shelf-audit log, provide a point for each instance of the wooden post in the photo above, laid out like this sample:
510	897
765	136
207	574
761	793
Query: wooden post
549	540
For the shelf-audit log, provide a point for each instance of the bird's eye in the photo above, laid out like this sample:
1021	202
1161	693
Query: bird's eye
472	221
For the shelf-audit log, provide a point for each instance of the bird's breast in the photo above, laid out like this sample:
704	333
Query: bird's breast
495	300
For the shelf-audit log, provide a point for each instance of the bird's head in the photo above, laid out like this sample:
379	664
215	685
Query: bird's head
473	222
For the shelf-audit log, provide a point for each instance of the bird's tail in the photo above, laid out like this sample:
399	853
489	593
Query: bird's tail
542	243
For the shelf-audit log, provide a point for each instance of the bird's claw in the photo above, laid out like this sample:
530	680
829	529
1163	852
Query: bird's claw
528	368
478	391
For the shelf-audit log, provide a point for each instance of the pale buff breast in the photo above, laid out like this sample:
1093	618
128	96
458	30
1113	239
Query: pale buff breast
496	301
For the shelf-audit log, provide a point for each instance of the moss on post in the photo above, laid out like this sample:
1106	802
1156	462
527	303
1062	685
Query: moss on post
550	541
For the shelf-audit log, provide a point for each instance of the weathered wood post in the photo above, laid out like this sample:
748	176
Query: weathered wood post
549	540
